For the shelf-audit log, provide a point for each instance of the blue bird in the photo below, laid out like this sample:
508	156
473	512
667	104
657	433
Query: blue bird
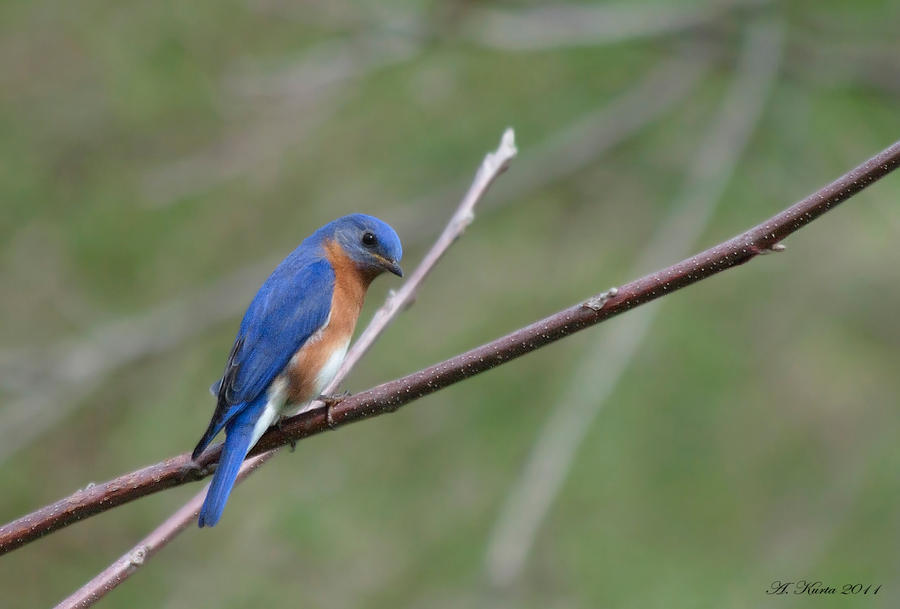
293	338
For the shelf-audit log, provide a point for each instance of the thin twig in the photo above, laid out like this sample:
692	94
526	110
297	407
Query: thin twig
492	166
390	396
595	379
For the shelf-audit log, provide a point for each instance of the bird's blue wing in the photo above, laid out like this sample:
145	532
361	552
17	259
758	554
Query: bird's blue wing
285	313
292	304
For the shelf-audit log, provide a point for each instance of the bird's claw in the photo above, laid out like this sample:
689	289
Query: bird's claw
329	401
279	425
333	400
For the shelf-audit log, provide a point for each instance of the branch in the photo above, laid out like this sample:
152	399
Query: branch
390	396
590	386
492	166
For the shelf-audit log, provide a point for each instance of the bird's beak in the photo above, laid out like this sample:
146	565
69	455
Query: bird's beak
390	265
393	267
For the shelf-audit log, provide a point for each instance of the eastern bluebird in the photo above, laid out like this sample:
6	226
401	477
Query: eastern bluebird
293	338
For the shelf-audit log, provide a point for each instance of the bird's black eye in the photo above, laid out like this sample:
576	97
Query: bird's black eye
369	239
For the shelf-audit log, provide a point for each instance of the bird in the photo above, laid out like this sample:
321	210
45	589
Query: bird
293	338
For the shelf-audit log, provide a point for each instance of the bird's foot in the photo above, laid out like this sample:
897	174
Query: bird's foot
329	401
333	400
279	425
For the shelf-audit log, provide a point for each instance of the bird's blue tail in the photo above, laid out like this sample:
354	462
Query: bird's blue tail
239	435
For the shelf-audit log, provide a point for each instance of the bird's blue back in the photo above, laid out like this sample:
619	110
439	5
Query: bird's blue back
290	306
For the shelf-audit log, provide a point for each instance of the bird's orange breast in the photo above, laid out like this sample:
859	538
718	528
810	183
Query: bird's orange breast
314	365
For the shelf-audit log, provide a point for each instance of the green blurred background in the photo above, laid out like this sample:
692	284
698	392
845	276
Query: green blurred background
158	159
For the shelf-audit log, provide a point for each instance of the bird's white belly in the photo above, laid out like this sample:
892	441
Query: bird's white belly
278	406
331	367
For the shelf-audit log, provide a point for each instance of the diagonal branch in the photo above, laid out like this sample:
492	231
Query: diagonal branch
389	396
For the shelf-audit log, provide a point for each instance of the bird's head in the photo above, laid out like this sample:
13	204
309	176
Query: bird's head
370	243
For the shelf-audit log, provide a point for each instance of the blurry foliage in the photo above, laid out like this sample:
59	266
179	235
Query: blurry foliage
754	437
